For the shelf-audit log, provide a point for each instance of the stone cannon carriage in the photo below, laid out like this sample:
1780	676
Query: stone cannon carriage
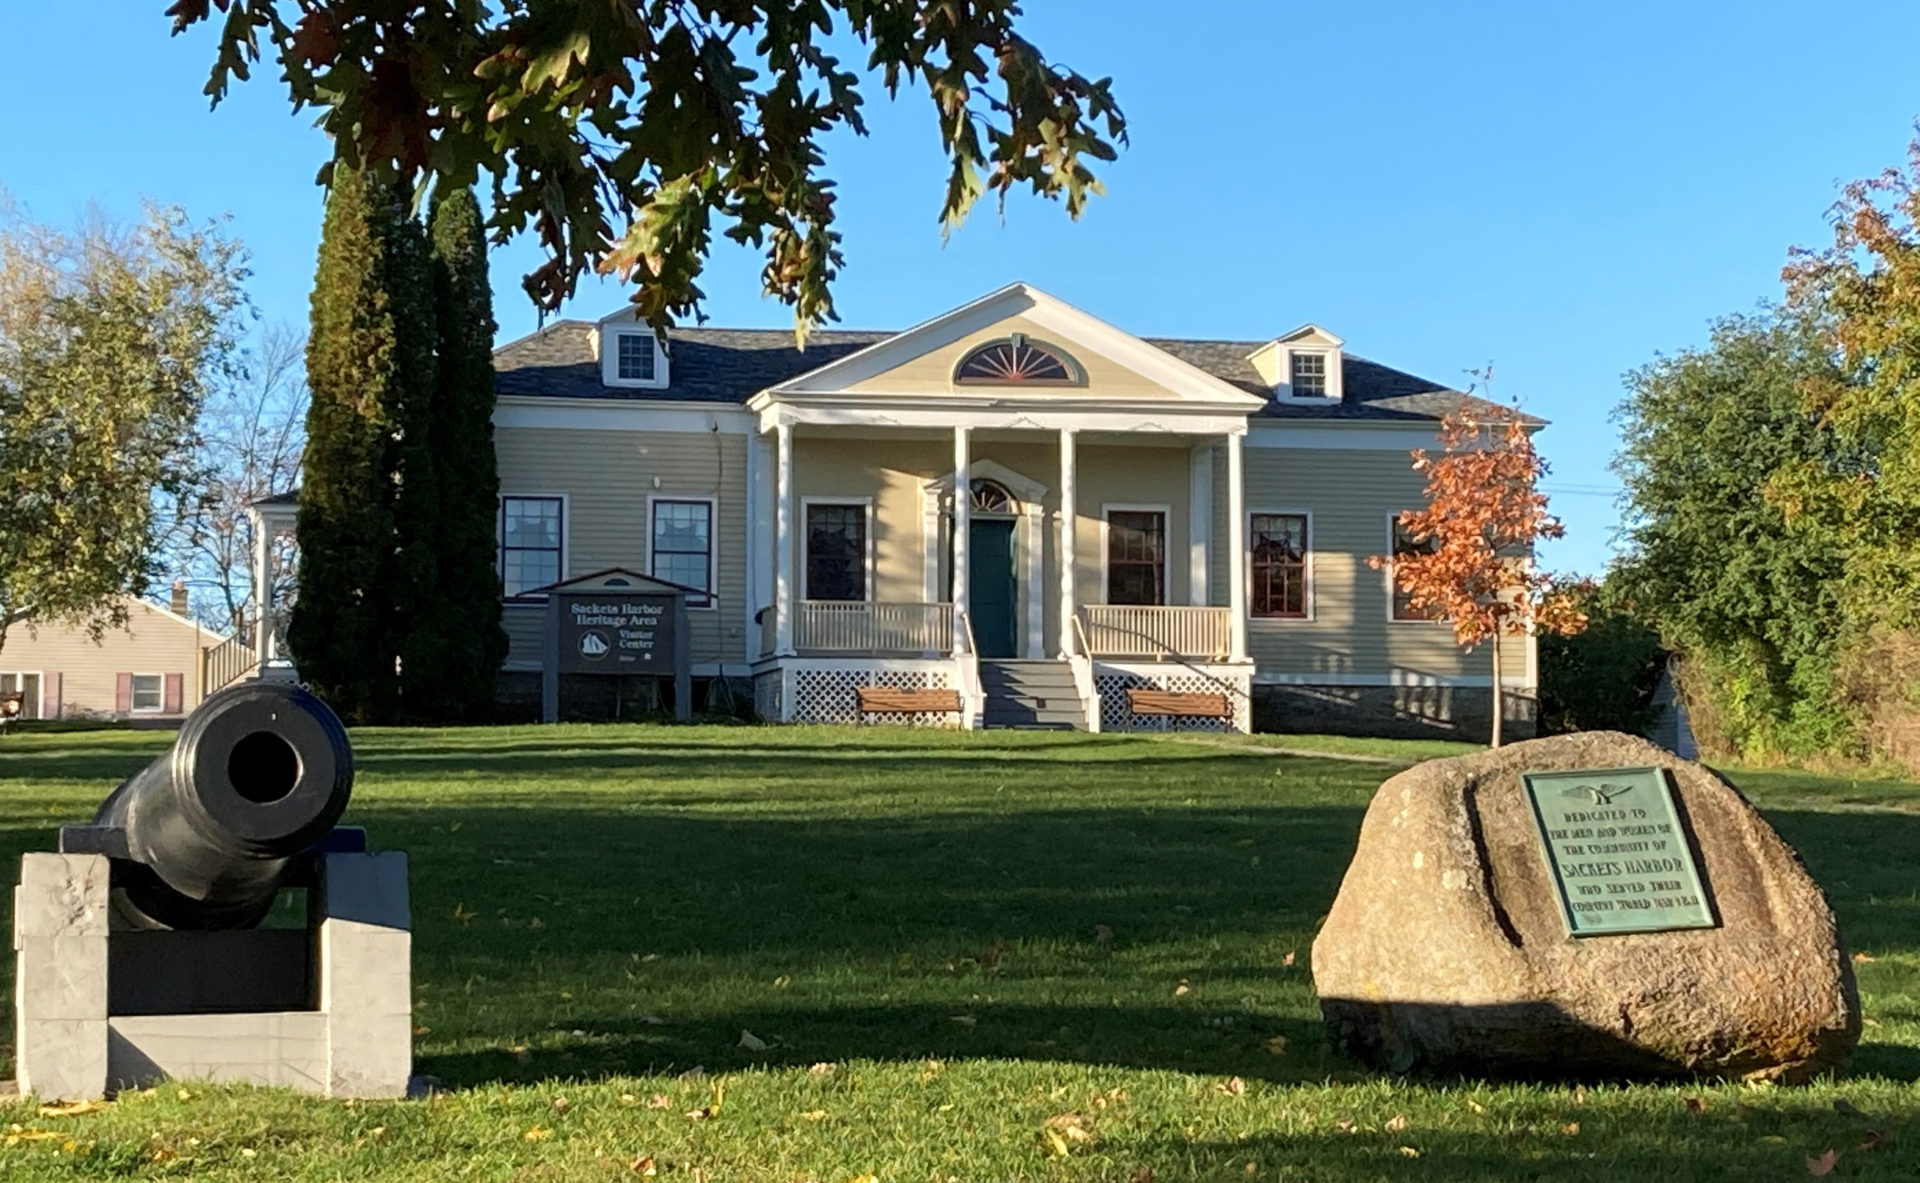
213	921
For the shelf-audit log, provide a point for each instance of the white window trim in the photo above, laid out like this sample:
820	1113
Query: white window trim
806	537
1387	585
31	710
610	357
1252	617
500	539
713	543
1107	509
1336	382
133	694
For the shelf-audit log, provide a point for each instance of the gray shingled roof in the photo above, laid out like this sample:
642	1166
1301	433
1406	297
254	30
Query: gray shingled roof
732	365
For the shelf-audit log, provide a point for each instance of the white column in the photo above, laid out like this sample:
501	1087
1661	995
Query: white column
263	637
1199	521
1237	546
759	542
1035	576
1069	530
962	518
783	532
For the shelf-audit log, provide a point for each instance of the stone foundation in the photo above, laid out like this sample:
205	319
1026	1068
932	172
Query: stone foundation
1392	712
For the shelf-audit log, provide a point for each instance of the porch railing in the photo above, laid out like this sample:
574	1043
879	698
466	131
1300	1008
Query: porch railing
855	626
226	663
1141	630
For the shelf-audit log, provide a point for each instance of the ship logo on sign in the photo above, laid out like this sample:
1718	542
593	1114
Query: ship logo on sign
593	644
1599	794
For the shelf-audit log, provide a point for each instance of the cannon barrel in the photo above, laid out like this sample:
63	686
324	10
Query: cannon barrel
257	775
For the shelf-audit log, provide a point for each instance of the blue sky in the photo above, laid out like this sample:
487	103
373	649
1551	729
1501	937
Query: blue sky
1561	190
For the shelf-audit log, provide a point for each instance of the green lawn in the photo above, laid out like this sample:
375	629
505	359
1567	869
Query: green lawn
821	954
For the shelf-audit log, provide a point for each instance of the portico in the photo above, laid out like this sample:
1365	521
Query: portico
968	492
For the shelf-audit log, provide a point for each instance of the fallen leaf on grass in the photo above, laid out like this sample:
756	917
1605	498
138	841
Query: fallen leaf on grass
521	1053
659	1101
1476	1106
815	1115
1143	1175
537	1134
1102	933
1864	959
821	1069
423	1030
1277	1046
1396	1123
1288	959
752	1042
1072	1126
1346	1126
712	1108
1233	1086
561	1104
1824	1164
643	1166
1410	1152
72	1108
1182	988
1056	1144
1697	1105
1874	1140
1570	1129
864	1179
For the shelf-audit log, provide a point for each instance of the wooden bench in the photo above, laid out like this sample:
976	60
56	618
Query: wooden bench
885	700
1184	703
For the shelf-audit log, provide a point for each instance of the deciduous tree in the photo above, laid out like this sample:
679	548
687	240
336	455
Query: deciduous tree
110	339
1472	560
625	134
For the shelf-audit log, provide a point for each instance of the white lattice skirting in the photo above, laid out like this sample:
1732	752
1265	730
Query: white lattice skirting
827	695
1114	682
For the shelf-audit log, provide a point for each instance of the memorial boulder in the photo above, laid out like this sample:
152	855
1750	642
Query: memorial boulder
1586	905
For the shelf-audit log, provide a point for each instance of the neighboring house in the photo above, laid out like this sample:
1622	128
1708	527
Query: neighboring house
159	665
1013	500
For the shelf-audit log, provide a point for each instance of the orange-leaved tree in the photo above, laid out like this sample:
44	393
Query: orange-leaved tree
1468	558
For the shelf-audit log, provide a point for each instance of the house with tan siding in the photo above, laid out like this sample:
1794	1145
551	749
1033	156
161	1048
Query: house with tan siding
1020	513
157	666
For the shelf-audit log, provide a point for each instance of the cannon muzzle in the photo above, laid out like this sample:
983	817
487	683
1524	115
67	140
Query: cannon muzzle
206	833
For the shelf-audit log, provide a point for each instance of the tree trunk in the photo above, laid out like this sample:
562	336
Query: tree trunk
1499	692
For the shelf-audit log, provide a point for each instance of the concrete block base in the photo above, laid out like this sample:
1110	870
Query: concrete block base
354	1040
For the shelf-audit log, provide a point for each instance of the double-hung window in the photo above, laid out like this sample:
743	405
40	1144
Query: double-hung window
1309	377
1136	556
635	360
1279	565
149	693
682	550
530	542
836	552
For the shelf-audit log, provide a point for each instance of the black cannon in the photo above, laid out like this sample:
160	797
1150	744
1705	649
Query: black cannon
205	835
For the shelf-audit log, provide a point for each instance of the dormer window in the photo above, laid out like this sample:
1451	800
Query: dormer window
636	357
1309	375
1305	365
630	355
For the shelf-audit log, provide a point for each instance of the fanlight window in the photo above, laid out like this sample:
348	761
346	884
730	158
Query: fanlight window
1017	361
992	497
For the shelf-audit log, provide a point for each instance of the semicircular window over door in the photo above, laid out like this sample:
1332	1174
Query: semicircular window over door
990	496
1018	361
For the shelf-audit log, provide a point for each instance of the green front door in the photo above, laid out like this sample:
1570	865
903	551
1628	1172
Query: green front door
990	586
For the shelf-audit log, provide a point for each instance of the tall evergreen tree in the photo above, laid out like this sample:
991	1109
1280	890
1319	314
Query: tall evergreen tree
341	630
414	593
469	482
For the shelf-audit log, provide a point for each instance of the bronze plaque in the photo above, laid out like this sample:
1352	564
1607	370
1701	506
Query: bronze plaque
1617	852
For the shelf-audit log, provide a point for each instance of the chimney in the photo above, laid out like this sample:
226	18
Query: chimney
178	600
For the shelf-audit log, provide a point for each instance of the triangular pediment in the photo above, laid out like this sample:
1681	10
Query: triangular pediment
1016	345
616	579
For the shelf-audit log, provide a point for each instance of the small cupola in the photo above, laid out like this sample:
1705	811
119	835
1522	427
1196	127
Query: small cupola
1303	366
630	353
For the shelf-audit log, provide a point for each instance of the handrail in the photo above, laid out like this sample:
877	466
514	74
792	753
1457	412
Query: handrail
225	663
966	626
1080	633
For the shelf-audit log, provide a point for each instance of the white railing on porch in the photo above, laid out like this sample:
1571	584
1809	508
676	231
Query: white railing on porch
854	626
226	663
1142	630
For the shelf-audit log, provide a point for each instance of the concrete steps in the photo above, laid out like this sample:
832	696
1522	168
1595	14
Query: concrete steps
1031	695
